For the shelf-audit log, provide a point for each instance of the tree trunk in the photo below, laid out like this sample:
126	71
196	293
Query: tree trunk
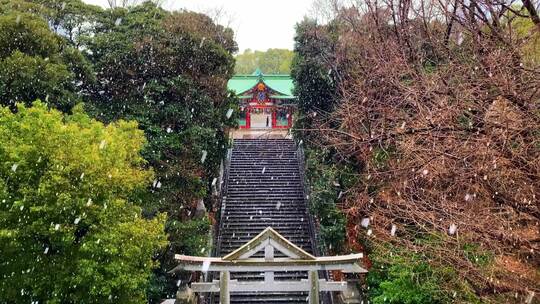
532	12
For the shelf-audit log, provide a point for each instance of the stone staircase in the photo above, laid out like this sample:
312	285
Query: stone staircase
264	188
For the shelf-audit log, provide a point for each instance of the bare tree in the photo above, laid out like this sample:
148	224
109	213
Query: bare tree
325	10
221	16
437	105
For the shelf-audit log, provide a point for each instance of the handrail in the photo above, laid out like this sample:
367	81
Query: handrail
221	211
222	200
300	155
305	190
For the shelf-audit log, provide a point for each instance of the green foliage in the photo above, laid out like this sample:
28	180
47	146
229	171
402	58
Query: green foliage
27	34
476	255
190	237
524	28
466	120
332	230
35	63
168	71
172	80
316	78
404	277
382	155
326	181
315	86
21	6
73	19
69	231
272	61
24	78
202	28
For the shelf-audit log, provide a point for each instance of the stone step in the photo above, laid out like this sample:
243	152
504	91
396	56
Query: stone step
264	189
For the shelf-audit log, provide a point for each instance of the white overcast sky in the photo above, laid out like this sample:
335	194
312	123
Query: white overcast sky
258	24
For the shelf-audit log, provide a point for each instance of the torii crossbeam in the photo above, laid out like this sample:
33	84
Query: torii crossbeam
241	260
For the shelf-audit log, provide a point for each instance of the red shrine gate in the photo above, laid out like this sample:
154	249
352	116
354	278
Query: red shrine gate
266	116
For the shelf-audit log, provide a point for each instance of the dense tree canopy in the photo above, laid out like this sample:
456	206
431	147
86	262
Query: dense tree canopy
173	81
36	63
68	219
169	72
166	70
313	73
272	61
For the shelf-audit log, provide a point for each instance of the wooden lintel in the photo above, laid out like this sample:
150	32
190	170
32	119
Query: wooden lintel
292	286
346	264
340	259
346	268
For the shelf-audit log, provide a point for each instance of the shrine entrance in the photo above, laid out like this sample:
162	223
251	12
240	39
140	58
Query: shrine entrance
266	101
269	241
261	117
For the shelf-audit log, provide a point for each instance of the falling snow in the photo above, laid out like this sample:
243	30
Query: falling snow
229	113
203	157
365	222
205	266
452	229
393	230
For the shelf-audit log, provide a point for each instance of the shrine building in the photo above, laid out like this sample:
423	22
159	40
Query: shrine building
266	101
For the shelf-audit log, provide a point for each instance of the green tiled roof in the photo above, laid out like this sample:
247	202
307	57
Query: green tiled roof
240	84
283	84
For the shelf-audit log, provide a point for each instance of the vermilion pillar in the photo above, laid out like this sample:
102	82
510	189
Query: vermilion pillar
248	118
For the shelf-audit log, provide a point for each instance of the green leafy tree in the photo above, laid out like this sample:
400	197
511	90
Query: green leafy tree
72	19
70	230
272	61
166	70
407	277
173	81
312	69
169	72
327	181
36	63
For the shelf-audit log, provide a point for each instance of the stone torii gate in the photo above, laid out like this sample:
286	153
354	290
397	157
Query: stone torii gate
269	240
